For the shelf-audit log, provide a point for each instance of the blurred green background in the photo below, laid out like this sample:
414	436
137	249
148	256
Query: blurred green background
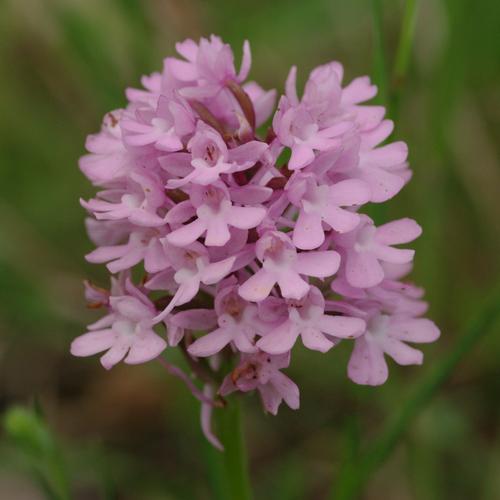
133	433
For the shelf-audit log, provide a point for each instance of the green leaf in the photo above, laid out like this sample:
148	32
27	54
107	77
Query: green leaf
34	440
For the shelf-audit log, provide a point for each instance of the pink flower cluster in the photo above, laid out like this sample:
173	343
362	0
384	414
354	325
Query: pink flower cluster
237	250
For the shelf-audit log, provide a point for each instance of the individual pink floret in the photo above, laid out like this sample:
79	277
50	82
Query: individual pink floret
138	202
261	371
367	246
207	67
210	157
388	335
321	204
282	265
108	159
163	127
238	324
307	318
126	332
191	268
144	244
215	214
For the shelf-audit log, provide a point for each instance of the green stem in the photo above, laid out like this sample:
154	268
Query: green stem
350	485
403	53
234	456
406	39
379	62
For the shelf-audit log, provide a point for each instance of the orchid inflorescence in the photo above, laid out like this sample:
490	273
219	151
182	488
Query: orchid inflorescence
243	237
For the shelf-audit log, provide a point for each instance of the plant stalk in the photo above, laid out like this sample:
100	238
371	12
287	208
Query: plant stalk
234	457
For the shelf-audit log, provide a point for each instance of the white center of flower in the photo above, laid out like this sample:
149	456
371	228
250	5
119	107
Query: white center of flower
124	327
377	326
161	124
364	238
316	199
131	200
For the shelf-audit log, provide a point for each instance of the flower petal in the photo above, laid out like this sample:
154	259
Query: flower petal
313	339
185	235
343	327
308	231
363	270
292	286
258	286
402	353
367	365
319	264
398	231
280	340
414	330
211	343
145	347
92	342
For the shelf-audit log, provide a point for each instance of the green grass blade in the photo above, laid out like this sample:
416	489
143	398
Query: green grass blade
403	54
406	40
379	59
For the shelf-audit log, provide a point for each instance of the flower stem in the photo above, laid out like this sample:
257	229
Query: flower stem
350	485
234	456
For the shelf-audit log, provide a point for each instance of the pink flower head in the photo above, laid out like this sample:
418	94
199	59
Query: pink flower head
236	254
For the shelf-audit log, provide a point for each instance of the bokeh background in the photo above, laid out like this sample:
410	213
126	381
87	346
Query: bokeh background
133	433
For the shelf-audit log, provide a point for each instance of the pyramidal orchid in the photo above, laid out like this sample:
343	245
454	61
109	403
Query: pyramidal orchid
236	255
